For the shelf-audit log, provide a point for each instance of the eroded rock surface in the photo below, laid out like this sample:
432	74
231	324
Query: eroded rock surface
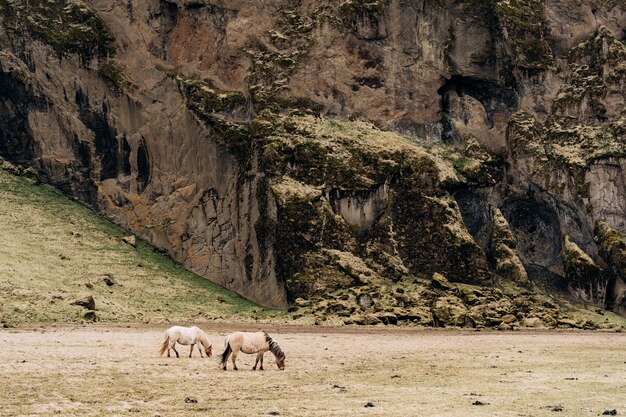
292	149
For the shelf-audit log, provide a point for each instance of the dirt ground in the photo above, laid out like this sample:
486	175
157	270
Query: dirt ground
115	371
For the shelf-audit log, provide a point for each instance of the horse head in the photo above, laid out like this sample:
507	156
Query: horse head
280	362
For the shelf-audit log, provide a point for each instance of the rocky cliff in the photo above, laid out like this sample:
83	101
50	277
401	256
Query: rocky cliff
290	149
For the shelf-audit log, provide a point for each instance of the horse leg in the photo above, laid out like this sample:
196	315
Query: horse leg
200	350
175	351
191	350
258	357
234	359
261	368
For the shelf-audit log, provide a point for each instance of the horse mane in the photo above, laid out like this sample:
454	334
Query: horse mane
204	339
274	348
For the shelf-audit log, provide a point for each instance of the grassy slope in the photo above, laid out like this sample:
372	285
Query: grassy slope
53	251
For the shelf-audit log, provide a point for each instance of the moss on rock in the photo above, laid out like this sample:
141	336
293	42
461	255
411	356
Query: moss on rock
273	62
307	230
351	155
68	26
218	110
443	243
522	134
115	76
586	123
522	23
354	12
612	246
415	302
205	98
582	127
502	248
449	311
582	274
311	162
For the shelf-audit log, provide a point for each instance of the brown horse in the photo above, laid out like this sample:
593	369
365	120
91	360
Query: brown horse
251	343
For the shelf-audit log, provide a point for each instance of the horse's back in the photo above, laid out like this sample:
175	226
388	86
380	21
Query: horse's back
248	342
234	338
174	330
183	335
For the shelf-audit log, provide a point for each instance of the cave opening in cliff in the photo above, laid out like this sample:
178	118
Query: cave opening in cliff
125	157
538	232
143	167
493	97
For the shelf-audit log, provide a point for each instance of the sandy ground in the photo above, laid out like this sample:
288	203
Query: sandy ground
107	371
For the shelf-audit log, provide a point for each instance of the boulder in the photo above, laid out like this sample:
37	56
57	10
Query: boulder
90	315
505	327
87	302
131	240
387	318
533	322
440	282
364	301
509	318
449	311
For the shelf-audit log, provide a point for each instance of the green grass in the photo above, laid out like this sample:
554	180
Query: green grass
54	250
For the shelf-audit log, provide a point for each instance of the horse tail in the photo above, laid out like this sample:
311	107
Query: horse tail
224	356
166	342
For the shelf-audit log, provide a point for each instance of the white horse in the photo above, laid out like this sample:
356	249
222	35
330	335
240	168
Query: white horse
186	336
251	343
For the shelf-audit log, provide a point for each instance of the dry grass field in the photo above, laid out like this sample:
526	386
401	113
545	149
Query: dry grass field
115	371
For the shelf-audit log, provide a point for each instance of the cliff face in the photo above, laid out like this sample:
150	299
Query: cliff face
285	149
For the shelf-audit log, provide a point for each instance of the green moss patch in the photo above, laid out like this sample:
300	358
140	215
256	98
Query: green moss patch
310	162
68	26
522	23
502	248
612	247
352	155
115	76
272	66
218	110
579	128
423	302
581	272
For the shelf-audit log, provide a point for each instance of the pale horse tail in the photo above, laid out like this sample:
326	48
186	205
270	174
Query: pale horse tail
166	342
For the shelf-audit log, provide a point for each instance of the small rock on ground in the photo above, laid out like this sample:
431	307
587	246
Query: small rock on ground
131	240
87	302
